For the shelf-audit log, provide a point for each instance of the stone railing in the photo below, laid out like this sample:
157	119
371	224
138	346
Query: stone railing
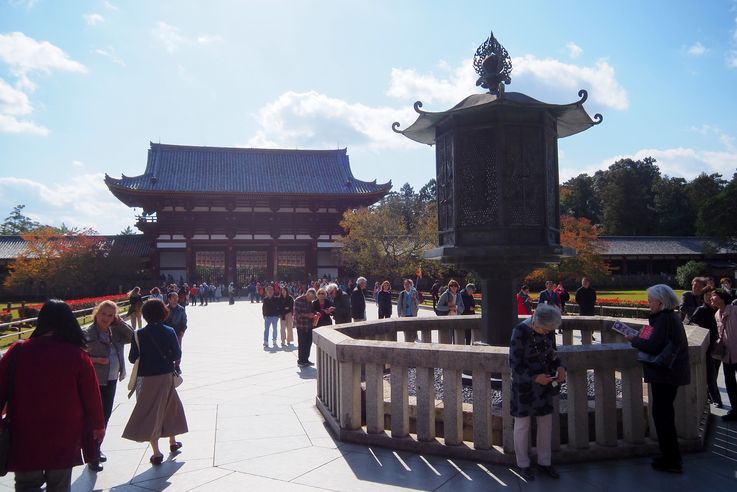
365	376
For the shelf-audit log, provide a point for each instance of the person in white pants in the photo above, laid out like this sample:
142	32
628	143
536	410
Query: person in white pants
536	377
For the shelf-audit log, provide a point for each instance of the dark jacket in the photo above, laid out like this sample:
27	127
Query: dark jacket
704	317
530	354
342	303
689	303
325	319
177	319
384	301
270	306
586	300
159	349
469	303
551	298
667	327
285	305
358	303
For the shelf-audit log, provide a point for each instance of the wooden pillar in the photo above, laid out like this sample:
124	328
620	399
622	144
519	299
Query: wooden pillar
229	263
190	259
274	260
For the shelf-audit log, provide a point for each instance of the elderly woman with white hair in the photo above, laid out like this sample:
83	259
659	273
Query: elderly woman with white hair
536	377
664	356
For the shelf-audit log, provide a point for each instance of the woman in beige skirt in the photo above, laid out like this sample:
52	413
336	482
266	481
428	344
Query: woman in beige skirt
158	411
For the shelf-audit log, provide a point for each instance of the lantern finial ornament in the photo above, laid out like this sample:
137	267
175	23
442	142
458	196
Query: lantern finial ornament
494	66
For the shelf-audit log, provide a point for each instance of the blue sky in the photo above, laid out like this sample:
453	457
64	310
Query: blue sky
84	86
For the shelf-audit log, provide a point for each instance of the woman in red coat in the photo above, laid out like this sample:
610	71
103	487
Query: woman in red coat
55	409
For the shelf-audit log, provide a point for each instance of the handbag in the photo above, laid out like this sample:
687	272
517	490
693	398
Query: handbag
719	350
5	423
665	359
134	372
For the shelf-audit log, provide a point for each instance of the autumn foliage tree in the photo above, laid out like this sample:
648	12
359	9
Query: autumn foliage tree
581	235
389	239
68	265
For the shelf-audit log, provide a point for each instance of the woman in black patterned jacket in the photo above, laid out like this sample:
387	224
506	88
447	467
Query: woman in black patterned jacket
536	377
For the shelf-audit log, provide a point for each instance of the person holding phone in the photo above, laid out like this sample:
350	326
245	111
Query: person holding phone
537	373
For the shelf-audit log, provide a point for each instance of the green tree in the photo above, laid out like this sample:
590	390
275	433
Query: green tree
703	187
578	198
428	193
686	273
17	223
674	211
626	190
128	231
717	217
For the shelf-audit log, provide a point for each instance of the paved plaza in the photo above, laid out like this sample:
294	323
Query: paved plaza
253	427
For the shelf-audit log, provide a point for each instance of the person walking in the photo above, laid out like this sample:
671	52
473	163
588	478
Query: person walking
408	303
585	298
667	339
270	311
358	300
537	374
135	300
435	292
286	316
158	411
106	338
384	300
303	317
450	302
53	402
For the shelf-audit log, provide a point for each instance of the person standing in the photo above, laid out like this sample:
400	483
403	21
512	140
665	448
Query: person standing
384	300
286	316
704	316
726	318
585	298
690	300
524	304
158	411
537	374
106	338
270	310
450	302
435	292
55	410
469	307
342	303
303	316
358	300
549	296
667	335
408	303
563	295
324	308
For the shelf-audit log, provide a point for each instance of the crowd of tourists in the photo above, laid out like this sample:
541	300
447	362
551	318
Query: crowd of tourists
73	409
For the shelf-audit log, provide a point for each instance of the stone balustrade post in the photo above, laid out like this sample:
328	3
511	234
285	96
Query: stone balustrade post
350	395
425	377
374	398
400	401
605	402
578	409
453	407
481	409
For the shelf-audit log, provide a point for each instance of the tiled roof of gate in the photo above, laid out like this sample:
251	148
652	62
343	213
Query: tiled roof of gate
657	246
134	245
180	168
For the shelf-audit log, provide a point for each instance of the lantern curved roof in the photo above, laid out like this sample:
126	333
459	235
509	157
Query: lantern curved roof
571	118
191	169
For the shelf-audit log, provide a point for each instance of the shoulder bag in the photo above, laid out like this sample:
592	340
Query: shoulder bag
719	349
5	423
134	372
666	358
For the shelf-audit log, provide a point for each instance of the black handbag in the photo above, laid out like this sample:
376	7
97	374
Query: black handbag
665	359
5	423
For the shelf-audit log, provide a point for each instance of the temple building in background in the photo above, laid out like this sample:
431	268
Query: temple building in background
227	214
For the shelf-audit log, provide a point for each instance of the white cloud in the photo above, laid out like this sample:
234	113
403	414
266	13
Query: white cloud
210	39
29	4
109	53
81	201
24	56
172	38
732	59
93	19
559	81
110	6
77	163
697	49
314	120
574	50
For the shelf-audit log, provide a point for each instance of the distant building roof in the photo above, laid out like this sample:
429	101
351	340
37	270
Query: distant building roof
660	246
134	245
181	169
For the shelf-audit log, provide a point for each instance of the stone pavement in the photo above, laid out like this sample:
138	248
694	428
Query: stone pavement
253	427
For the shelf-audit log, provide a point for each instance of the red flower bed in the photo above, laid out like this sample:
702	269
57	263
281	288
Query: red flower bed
621	302
86	302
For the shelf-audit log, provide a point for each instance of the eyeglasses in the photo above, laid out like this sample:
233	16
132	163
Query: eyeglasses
321	295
